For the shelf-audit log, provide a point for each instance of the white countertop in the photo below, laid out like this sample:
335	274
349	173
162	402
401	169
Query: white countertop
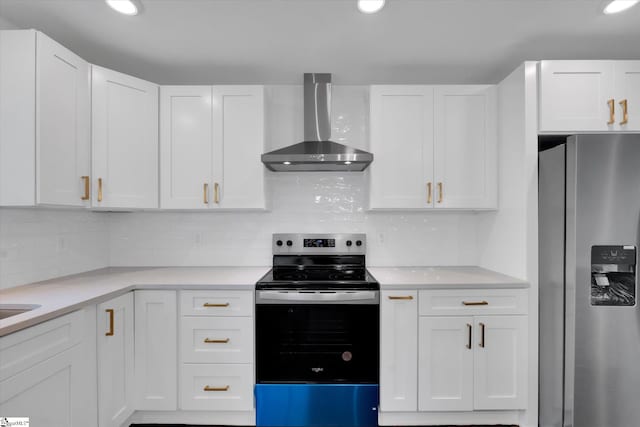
66	294
442	278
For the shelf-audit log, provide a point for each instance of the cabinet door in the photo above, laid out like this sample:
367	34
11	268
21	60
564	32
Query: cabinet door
398	351
62	124
402	145
238	142
574	95
445	374
627	87
50	393
185	147
124	140
500	347
465	159
156	352
115	360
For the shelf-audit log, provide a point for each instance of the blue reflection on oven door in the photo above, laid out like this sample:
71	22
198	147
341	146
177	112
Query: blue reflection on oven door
316	405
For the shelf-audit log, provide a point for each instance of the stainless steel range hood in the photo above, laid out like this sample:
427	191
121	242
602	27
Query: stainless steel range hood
317	152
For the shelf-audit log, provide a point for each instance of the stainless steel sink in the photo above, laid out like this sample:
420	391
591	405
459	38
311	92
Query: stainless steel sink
8	310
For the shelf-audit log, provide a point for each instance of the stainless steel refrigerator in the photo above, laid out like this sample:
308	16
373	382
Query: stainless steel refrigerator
589	213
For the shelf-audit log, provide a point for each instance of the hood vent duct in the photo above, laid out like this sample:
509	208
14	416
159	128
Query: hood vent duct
317	152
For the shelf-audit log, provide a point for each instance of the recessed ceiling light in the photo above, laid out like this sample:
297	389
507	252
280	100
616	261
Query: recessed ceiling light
370	6
347	163
126	7
286	163
618	6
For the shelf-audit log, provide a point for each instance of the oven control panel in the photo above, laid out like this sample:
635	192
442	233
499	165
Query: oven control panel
341	243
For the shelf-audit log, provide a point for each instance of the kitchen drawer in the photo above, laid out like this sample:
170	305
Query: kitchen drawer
462	302
216	303
30	346
216	339
216	387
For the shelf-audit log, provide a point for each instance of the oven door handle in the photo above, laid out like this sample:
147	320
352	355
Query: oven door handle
317	297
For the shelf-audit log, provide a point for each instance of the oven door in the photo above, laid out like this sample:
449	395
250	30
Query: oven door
317	336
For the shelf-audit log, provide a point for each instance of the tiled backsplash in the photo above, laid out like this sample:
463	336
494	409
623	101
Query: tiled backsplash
38	244
306	202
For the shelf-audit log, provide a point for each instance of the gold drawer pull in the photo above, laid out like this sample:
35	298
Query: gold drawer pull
210	341
210	304
110	333
440	195
429	191
625	113
216	192
99	189
404	297
86	188
475	303
205	192
207	388
612	111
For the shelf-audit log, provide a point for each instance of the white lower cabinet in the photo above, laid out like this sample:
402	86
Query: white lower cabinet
445	363
398	350
48	372
217	387
216	351
156	359
471	362
115	346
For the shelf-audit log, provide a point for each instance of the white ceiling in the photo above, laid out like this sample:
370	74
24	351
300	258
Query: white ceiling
275	41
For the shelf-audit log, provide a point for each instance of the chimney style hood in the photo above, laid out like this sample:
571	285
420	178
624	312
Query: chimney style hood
317	153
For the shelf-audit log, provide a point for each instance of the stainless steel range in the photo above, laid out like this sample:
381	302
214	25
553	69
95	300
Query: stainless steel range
317	334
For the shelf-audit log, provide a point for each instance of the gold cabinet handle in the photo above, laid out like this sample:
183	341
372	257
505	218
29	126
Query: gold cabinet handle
469	327
110	332
612	111
211	304
625	113
403	297
87	185
206	193
429	192
481	334
210	341
440	195
475	303
99	189
216	192
207	388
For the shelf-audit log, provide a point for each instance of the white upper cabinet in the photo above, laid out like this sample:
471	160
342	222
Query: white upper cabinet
465	167
627	87
124	140
238	142
185	146
211	139
402	143
44	122
589	96
433	147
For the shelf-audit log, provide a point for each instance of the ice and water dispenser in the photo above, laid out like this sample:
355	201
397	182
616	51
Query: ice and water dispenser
613	275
